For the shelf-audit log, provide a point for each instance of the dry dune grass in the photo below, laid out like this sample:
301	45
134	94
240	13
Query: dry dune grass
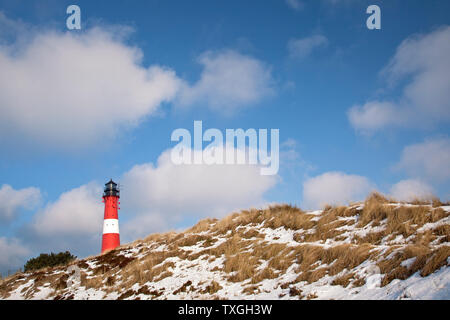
311	276
241	266
39	278
212	288
191	239
438	259
371	237
131	270
202	225
338	258
250	258
343	280
400	220
162	238
283	215
242	259
252	233
375	209
425	261
288	217
266	273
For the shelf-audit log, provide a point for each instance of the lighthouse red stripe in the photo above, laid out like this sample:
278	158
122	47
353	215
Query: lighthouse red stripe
111	207
110	241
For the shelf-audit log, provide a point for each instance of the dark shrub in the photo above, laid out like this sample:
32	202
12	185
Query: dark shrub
48	260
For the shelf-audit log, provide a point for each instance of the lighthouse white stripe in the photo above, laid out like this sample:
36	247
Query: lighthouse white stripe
110	226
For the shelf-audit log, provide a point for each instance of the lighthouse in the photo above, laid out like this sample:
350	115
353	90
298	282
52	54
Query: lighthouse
111	238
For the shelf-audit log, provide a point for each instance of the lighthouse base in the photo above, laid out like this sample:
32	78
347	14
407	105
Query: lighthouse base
110	241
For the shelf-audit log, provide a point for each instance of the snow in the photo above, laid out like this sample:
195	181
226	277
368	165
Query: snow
43	292
17	293
279	235
408	262
434	225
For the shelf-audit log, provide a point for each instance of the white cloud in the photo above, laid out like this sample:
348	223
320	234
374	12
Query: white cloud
428	160
374	115
411	189
12	254
420	61
229	80
72	222
144	224
76	212
297	5
334	188
11	200
71	90
167	193
301	48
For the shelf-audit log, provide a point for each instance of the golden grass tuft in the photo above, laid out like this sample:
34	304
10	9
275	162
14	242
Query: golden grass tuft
212	288
191	239
242	265
438	259
252	233
266	273
426	261
288	217
311	276
374	210
371	238
202	225
250	289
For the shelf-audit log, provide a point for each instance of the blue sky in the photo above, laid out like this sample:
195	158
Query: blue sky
357	110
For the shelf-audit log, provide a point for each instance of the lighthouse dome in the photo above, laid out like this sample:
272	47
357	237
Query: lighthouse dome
111	189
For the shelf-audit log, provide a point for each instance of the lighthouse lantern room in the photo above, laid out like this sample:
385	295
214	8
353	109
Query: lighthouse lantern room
111	237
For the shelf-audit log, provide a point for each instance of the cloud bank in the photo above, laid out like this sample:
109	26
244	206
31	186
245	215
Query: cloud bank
420	61
12	254
229	80
12	201
76	212
334	188
411	189
428	160
73	90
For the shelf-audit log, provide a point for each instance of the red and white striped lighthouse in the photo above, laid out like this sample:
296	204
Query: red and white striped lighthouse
111	237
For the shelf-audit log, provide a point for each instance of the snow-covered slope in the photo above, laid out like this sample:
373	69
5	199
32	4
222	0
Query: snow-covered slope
372	250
